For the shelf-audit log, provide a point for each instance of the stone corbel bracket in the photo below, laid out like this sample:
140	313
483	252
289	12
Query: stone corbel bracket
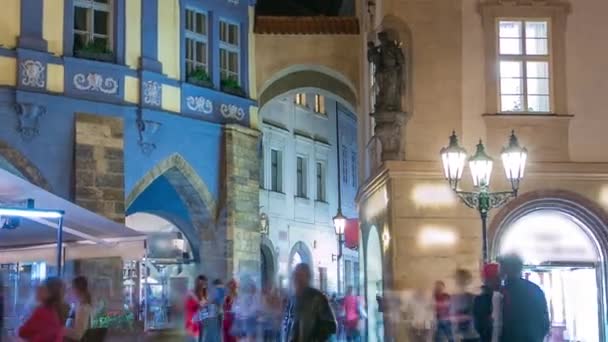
28	115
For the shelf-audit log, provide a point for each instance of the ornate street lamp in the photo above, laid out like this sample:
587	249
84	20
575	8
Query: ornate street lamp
339	220
514	162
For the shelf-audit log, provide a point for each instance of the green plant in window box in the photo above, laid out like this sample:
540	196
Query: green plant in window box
232	86
117	320
200	77
97	51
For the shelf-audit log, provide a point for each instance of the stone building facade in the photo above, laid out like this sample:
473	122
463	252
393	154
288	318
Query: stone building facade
471	69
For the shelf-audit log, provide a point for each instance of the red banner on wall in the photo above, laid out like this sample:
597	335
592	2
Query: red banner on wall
351	234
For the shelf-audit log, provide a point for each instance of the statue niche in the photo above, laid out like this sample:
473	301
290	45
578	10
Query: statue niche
389	64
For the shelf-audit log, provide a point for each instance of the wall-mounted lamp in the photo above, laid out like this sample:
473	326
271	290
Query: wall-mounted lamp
386	238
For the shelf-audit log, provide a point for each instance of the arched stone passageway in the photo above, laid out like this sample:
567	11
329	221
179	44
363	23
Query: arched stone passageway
300	253
16	163
373	285
561	237
268	261
306	77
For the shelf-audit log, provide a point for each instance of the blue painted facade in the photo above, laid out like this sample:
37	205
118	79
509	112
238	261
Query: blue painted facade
56	86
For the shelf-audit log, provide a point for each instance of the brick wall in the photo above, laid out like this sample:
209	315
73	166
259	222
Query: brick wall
242	201
99	165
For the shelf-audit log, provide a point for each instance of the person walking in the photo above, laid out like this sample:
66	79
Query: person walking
308	317
79	319
524	310
228	323
351	315
461	309
487	308
195	301
443	328
45	323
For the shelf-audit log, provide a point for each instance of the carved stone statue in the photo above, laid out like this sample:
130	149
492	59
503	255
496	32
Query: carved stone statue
389	63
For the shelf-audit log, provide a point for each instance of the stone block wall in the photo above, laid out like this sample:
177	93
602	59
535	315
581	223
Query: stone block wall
99	165
242	201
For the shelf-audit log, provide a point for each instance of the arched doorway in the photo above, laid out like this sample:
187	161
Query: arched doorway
299	254
562	256
374	286
268	265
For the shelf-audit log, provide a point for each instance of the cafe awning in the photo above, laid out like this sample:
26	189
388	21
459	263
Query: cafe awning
86	234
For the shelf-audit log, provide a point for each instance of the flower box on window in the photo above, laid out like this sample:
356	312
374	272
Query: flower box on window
95	52
199	77
232	86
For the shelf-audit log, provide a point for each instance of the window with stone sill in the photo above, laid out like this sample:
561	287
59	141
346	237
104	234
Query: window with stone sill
93	25
320	182
276	171
320	104
197	46
524	66
301	176
230	51
300	99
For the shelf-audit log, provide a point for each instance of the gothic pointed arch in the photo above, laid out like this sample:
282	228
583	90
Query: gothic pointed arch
16	163
191	188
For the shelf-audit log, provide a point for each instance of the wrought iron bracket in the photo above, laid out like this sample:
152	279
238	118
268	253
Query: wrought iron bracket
484	201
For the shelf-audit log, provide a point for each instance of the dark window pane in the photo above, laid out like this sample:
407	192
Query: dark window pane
80	18
101	22
201	24
189	25
102	1
201	52
79	41
233	62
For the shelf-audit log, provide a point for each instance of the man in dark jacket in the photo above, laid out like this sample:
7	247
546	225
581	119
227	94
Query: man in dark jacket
525	313
308	316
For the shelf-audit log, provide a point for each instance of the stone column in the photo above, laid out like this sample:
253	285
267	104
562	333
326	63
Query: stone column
242	202
99	165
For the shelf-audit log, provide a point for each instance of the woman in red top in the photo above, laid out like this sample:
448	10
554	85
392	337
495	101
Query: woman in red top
45	325
227	327
194	301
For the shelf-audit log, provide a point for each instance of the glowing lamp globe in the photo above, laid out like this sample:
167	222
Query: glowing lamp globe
339	223
514	159
453	158
481	167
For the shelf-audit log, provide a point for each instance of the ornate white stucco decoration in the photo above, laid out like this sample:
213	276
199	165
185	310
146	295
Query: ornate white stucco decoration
33	73
230	111
152	93
96	82
199	104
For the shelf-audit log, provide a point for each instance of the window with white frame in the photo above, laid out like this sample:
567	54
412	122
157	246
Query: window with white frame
276	171
230	50
197	47
320	182
93	25
301	177
524	66
319	104
300	99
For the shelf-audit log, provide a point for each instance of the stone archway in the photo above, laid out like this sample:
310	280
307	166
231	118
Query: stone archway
302	77
16	163
300	253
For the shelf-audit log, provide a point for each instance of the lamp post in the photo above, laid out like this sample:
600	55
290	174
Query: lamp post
513	158
339	220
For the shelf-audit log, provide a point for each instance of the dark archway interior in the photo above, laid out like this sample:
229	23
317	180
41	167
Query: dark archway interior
303	7
267	267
